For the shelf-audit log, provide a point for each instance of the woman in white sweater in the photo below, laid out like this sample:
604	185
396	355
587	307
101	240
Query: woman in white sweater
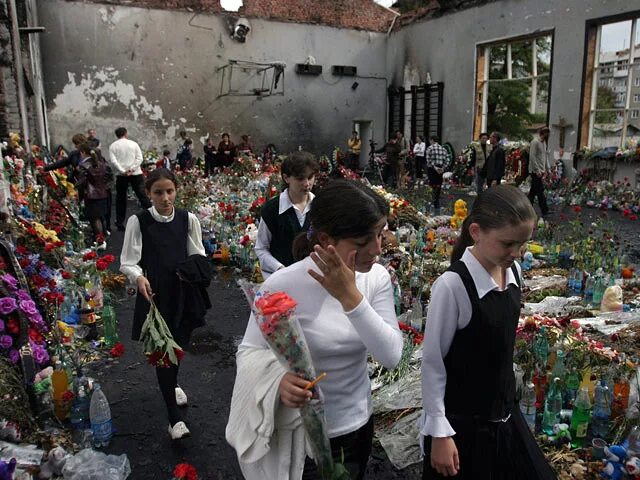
346	310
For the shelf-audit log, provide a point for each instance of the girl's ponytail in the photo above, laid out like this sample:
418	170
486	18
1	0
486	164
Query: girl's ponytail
94	158
464	240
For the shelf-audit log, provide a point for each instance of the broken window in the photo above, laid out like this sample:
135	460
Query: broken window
612	84
512	86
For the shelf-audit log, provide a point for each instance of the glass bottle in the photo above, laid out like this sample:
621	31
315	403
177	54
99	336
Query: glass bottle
572	385
580	418
620	401
552	407
541	347
540	382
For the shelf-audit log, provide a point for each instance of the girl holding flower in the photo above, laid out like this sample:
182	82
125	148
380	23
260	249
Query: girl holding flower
156	242
345	309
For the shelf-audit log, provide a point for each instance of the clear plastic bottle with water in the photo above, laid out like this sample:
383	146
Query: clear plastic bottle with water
528	405
552	407
100	415
601	412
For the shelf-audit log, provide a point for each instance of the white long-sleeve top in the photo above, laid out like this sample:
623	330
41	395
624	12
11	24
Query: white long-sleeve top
339	340
420	149
125	154
132	246
449	310
269	263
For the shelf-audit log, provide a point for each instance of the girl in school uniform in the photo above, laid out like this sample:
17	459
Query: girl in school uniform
345	308
471	423
283	217
156	242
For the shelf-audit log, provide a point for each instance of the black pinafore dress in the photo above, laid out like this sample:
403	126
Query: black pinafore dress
164	247
492	438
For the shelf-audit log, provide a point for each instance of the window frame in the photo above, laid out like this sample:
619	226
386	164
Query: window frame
592	67
482	80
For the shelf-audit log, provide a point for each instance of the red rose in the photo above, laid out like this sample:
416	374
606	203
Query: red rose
67	396
90	256
66	275
49	246
117	350
185	471
577	209
35	335
22	250
108	258
24	262
101	265
179	353
633	217
13	326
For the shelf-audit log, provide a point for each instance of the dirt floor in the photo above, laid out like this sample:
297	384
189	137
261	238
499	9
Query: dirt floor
207	376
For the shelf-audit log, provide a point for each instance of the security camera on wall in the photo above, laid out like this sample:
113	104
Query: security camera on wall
240	30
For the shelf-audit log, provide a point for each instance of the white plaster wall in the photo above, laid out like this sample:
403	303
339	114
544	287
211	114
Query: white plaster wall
150	71
446	48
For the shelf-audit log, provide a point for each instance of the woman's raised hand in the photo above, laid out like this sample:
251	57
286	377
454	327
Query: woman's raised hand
338	278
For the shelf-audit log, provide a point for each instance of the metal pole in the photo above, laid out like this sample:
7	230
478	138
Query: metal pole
17	65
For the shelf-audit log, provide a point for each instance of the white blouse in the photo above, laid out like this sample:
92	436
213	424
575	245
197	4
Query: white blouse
449	311
132	246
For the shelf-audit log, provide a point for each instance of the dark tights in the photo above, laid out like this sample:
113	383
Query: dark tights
168	381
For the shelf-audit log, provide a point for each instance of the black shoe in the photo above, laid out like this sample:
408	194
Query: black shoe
120	227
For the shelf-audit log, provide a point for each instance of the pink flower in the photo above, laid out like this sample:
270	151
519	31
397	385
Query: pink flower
28	307
5	341
10	281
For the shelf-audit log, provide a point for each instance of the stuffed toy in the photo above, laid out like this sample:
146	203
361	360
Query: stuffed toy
7	469
614	463
612	299
459	213
561	435
56	459
527	261
633	467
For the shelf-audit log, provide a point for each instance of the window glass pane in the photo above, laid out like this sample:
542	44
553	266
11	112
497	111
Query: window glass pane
607	129
610	91
543	54
542	100
508	109
614	40
522	59
498	62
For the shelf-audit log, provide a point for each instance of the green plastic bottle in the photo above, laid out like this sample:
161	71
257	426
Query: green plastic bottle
110	325
552	407
580	418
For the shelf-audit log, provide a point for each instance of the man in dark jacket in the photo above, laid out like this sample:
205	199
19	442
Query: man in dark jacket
495	164
391	170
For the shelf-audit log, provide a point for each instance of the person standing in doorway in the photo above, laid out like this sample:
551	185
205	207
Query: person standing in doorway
481	152
125	158
495	163
437	162
538	166
420	152
355	145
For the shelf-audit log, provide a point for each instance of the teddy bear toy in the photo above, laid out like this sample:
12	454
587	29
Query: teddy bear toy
527	261
459	213
614	463
56	459
633	468
7	469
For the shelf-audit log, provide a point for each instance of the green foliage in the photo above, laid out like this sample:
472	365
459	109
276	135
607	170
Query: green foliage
606	99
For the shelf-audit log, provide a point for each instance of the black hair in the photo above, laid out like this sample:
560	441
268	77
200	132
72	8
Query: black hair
484	134
342	209
227	135
159	174
89	150
494	208
188	141
434	139
296	164
120	132
166	152
497	135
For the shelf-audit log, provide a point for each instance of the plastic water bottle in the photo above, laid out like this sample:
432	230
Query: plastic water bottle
580	417
528	405
552	407
559	367
633	442
79	410
588	290
100	415
601	410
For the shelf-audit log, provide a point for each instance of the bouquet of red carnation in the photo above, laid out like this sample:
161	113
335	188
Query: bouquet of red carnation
185	471
158	343
280	328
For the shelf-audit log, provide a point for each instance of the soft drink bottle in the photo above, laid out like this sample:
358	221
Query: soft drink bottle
100	415
528	405
558	367
60	384
552	407
620	401
572	384
601	410
110	325
580	418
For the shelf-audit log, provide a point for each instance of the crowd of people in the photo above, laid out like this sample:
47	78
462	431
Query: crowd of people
323	253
